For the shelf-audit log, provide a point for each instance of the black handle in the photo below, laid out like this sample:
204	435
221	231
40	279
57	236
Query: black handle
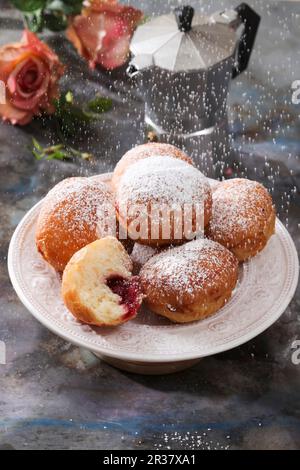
132	71
251	22
184	17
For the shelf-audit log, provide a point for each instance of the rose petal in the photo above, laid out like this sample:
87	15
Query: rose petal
14	115
35	45
21	68
19	97
103	31
32	100
116	55
90	31
30	70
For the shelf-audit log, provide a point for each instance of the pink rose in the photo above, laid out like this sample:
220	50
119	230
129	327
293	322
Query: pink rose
30	71
103	31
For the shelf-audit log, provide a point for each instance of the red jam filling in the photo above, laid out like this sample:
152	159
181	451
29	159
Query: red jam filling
130	292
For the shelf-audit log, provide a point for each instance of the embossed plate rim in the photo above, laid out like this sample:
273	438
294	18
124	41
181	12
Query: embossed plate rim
146	357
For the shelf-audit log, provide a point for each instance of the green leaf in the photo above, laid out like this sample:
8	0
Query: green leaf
34	21
69	97
52	148
58	155
51	14
99	105
29	5
55	21
73	3
71	116
73	111
37	155
57	152
37	145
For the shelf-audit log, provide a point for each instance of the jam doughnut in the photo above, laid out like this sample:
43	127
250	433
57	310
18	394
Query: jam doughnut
71	217
162	200
189	282
243	217
97	285
144	151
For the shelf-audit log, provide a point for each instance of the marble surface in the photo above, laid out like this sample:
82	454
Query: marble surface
54	395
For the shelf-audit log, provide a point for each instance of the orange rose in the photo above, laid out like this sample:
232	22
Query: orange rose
103	31
30	71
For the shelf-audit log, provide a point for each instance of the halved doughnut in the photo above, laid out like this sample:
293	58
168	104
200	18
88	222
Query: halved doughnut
97	285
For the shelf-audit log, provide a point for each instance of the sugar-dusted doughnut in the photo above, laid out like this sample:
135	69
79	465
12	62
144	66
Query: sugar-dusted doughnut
144	151
162	200
97	285
189	282
243	217
72	216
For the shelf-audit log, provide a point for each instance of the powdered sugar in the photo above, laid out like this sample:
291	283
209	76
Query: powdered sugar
75	202
187	268
239	206
151	149
141	254
162	179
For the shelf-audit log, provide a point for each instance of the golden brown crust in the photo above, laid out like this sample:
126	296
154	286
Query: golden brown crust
246	250
69	218
193	312
190	282
243	217
144	151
